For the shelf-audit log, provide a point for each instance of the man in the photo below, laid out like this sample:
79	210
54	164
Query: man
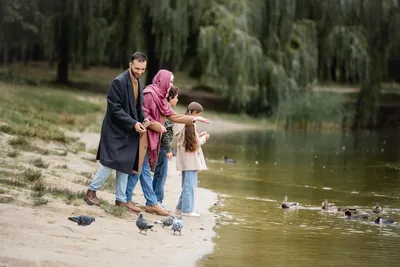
120	133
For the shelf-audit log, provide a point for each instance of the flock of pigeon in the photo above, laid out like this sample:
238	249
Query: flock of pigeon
349	212
174	224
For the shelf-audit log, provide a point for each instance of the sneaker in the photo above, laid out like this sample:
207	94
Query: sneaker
191	214
163	206
177	211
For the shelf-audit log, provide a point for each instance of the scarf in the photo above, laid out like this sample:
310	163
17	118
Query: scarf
155	105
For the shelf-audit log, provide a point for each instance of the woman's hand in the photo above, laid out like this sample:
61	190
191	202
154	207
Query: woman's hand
201	119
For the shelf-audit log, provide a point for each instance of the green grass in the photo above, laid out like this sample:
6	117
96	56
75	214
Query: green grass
112	209
13	153
13	183
44	112
40	163
32	175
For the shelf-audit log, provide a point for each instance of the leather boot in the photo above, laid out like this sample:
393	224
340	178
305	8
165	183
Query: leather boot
156	209
128	206
91	198
131	206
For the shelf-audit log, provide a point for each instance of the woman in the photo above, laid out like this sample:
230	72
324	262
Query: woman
156	109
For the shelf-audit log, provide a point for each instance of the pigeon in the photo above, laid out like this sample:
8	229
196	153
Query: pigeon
380	220
166	222
82	220
377	208
359	216
228	160
286	204
142	224
177	225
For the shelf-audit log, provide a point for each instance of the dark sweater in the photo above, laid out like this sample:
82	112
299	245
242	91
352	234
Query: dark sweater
166	138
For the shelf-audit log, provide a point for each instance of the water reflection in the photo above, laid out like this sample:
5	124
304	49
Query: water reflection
346	169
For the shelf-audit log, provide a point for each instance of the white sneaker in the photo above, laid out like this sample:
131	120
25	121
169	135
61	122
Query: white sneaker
191	214
177	211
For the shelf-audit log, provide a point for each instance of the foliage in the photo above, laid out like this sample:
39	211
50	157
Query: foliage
260	54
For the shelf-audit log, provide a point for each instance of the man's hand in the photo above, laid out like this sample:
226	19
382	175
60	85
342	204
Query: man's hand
146	122
140	128
169	155
201	119
163	130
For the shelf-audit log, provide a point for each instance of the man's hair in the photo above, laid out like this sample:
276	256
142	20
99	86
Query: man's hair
172	92
139	56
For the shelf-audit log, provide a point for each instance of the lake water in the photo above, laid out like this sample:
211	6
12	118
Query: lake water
308	167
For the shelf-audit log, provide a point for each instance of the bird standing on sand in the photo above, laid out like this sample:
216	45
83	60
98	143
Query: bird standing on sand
177	225
82	220
166	222
142	224
286	204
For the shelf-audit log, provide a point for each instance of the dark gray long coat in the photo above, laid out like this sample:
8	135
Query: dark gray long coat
119	141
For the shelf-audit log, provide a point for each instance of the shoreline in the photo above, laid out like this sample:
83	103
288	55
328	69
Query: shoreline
43	236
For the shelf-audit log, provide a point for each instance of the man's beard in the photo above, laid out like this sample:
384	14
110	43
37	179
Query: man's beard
134	75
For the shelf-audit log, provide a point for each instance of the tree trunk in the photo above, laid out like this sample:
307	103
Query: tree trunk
124	58
63	50
5	54
154	63
367	106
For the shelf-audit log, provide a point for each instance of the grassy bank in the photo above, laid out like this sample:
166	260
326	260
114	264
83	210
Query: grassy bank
36	149
321	107
43	157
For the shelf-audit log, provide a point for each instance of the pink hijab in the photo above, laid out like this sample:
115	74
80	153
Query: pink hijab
155	105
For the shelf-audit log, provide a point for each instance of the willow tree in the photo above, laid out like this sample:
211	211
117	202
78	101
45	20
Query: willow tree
260	52
73	31
266	53
168	28
18	27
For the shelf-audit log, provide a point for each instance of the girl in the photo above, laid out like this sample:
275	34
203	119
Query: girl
161	170
189	160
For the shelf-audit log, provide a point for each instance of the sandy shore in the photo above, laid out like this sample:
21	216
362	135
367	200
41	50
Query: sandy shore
42	236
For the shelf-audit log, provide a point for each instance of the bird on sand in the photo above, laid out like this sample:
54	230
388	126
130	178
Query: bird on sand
177	225
82	220
142	224
166	222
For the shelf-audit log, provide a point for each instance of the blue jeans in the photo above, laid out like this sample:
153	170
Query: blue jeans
120	184
189	184
145	182
160	175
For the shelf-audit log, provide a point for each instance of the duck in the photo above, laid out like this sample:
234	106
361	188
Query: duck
228	160
351	210
326	205
286	204
377	208
355	217
380	220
